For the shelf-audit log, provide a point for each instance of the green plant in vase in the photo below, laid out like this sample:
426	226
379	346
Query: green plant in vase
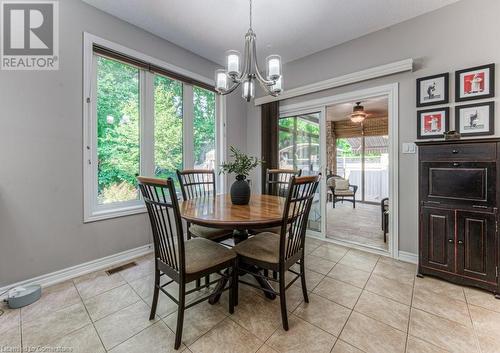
241	165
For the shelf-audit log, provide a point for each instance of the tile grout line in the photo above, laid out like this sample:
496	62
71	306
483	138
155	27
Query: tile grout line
68	306
409	314
103	292
442	318
478	345
21	326
352	310
90	318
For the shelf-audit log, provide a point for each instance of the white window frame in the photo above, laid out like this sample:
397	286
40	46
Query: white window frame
92	210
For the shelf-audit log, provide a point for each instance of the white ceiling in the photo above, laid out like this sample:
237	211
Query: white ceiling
291	28
374	107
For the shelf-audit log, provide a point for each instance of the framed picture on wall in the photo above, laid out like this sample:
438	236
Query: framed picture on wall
433	90
475	119
475	83
432	123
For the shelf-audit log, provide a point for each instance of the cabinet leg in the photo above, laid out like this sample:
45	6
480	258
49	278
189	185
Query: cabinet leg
419	275
497	296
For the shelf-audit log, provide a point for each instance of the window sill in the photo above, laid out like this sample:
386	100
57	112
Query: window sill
99	215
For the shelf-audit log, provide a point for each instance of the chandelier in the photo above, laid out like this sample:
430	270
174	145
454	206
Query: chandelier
235	74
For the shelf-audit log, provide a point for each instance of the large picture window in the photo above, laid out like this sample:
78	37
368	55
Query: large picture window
140	119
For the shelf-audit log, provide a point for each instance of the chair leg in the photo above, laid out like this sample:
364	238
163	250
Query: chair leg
275	275
303	279
354	202
180	315
198	283
333	202
284	313
155	295
233	291
207	280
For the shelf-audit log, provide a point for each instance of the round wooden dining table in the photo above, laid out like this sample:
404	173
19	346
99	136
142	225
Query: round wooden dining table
263	211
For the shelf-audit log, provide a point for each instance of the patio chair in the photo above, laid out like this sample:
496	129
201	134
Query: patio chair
341	189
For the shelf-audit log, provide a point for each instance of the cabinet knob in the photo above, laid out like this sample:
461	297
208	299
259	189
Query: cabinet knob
456	164
460	242
450	241
454	151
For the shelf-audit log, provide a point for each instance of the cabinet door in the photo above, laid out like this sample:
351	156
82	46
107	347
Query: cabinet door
458	183
437	238
476	234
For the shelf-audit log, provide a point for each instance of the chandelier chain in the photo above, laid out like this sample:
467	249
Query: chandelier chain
250	14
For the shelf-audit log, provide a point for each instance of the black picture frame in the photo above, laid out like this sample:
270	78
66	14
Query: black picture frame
446	97
491	119
491	94
420	113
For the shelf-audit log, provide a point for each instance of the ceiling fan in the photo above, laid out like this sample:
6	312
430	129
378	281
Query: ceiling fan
358	114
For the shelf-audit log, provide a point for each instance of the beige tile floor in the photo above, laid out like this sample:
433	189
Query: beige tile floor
361	225
359	302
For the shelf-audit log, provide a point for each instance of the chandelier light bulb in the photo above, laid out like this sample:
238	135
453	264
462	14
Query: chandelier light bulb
273	67
220	80
233	63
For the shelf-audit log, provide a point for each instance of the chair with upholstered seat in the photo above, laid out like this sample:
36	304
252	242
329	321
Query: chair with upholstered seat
341	190
279	252
182	261
200	183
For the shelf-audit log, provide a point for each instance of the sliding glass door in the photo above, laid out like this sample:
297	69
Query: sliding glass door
364	161
299	148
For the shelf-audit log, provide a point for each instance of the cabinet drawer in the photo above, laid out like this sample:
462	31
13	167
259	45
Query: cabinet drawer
459	152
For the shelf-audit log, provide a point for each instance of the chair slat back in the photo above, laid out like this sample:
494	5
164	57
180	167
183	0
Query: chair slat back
196	183
164	215
278	180
297	207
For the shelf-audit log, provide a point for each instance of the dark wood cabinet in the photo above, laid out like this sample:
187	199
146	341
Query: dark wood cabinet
437	248
459	198
476	255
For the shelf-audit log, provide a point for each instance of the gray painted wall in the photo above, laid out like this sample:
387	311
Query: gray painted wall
41	183
458	36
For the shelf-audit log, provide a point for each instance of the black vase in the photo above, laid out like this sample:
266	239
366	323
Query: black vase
240	191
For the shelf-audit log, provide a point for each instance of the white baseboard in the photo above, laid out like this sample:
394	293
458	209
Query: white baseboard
408	257
84	268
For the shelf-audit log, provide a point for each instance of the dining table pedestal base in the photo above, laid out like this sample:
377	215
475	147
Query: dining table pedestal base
239	235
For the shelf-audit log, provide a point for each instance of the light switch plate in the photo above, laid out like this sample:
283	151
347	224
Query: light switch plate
409	148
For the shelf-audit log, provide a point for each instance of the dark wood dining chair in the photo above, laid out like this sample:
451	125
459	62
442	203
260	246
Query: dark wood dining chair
182	261
279	252
277	183
200	183
278	180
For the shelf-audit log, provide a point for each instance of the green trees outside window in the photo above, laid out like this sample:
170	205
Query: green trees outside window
204	126
167	126
118	138
119	109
